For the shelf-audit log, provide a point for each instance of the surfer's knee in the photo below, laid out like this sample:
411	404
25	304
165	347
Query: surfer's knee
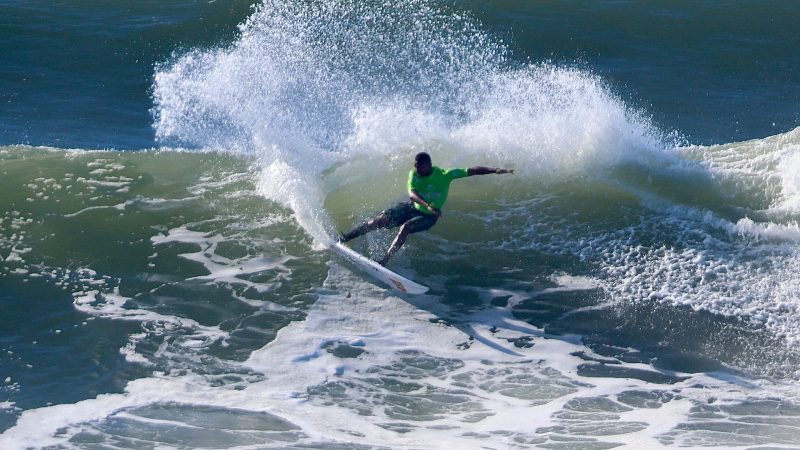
381	221
406	229
418	224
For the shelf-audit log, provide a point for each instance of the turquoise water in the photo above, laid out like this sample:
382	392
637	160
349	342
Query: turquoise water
171	173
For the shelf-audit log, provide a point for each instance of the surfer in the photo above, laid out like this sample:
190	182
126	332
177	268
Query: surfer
428	187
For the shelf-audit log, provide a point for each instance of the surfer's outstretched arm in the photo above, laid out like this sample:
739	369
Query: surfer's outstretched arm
481	170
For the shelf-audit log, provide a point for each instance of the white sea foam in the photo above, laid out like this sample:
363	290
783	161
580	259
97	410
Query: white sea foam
369	368
300	192
789	172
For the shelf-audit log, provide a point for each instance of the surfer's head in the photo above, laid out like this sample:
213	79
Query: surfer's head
423	164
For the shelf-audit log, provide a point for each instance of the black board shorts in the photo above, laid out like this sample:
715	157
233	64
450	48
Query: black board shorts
407	213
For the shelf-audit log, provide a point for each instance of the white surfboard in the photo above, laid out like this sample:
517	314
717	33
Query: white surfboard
379	272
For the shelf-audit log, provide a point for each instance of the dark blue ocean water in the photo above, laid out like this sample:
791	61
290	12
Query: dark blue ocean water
77	74
632	285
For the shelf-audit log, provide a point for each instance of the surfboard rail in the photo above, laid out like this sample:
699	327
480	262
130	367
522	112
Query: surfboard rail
377	271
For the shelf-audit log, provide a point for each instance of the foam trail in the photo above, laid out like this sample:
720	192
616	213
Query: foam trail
789	170
286	185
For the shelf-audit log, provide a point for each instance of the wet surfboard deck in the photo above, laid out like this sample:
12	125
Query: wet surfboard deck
378	272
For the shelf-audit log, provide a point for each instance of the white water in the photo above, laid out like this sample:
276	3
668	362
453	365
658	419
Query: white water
364	365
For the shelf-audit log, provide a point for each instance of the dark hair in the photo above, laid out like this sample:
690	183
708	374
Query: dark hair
422	157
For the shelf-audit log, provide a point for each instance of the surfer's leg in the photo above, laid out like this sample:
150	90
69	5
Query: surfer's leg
382	221
390	218
415	225
398	242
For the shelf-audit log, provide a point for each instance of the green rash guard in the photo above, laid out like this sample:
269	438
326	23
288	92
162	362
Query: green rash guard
435	187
